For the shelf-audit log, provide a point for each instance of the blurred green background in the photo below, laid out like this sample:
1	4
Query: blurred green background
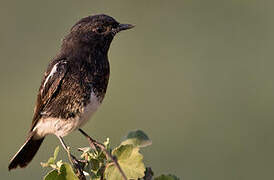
197	76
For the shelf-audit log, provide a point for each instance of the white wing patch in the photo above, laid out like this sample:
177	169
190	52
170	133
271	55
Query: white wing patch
54	70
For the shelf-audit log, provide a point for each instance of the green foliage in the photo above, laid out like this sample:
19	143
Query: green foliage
51	161
137	138
130	160
64	172
61	171
97	165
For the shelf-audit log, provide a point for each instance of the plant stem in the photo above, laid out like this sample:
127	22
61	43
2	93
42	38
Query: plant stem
93	143
76	164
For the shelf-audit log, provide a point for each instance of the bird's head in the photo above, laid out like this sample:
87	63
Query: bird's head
97	30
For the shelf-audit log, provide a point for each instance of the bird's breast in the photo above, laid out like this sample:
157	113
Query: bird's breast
91	107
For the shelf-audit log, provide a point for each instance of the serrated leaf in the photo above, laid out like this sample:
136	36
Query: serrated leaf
65	173
167	177
130	160
137	138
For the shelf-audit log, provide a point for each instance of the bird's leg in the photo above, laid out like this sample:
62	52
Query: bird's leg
71	157
93	144
63	143
76	163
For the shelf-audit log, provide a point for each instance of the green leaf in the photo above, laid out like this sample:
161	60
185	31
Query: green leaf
51	160
67	170
56	151
92	165
167	177
137	138
130	160
123	152
52	175
65	173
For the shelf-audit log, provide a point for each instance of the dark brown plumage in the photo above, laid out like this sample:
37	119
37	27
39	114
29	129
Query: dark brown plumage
74	84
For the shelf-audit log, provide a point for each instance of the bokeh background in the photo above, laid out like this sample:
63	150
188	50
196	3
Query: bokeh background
197	76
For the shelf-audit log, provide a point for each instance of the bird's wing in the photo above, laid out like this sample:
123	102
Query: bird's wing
52	81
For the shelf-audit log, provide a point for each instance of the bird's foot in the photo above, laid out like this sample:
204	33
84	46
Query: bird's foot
78	166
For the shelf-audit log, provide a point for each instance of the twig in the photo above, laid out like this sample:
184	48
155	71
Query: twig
93	143
148	174
76	164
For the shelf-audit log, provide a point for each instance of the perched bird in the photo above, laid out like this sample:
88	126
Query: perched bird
74	84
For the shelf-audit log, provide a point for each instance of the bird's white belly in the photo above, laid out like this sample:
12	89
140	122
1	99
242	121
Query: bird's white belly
90	109
62	127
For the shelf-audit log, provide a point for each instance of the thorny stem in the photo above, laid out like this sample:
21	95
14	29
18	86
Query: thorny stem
93	143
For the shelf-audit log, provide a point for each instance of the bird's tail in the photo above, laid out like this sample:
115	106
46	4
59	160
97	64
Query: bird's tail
26	152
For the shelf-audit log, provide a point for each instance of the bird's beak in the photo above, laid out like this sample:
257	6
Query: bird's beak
122	27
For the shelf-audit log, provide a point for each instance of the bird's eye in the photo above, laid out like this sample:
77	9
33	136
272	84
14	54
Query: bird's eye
100	30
